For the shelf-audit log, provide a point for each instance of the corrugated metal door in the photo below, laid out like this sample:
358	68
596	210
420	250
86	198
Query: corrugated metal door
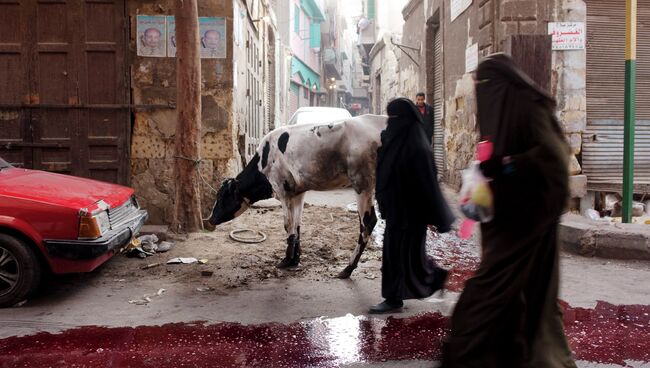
438	130
602	151
68	111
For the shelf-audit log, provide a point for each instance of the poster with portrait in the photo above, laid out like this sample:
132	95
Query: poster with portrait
151	36
171	36
212	34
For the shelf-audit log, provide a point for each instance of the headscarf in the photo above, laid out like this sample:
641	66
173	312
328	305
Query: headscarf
403	116
504	95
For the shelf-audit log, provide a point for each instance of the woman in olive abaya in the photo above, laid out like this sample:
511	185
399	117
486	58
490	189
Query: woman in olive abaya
409	199
508	315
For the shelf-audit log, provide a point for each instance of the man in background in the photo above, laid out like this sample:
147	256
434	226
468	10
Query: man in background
427	114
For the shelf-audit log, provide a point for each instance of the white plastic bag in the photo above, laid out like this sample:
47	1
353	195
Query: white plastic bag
476	200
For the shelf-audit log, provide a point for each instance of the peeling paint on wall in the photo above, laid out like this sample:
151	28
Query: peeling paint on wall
153	81
461	131
570	71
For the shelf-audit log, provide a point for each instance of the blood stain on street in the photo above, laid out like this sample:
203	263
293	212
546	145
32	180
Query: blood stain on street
605	334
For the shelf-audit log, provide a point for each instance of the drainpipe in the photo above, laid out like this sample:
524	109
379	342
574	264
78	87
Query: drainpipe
630	113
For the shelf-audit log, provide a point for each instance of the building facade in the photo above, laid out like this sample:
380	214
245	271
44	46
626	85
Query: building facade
93	91
444	40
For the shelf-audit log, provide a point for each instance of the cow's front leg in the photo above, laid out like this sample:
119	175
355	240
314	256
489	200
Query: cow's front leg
367	222
292	215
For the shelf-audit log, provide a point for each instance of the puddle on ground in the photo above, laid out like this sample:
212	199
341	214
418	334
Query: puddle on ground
605	334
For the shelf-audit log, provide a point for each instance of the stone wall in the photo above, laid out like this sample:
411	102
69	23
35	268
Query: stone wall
383	60
461	131
569	72
153	81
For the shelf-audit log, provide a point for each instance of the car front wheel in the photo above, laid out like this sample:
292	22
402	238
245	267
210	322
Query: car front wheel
20	271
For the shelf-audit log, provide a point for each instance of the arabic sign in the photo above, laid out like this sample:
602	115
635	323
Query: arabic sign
568	35
471	58
458	7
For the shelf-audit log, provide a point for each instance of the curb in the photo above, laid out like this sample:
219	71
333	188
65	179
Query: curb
591	238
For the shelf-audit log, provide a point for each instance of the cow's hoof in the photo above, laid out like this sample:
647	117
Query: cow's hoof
345	274
288	263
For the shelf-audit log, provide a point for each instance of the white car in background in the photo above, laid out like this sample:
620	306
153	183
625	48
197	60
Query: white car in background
318	115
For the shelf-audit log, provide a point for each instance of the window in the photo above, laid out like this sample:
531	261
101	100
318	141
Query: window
314	36
371	9
296	19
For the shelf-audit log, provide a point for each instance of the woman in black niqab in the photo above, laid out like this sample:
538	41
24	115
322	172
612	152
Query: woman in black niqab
507	315
409	199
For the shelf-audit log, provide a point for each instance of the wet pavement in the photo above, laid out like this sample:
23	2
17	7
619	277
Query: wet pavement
607	334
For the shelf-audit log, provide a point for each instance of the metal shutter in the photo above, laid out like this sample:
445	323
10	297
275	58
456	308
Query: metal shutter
438	131
602	151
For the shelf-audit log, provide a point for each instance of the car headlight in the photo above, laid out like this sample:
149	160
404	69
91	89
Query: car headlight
93	227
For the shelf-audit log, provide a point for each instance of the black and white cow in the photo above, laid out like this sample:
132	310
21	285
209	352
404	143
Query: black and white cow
295	159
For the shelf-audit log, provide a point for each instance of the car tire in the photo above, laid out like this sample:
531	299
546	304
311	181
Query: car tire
20	270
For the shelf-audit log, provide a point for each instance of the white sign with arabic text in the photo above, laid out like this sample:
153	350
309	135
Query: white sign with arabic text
568	35
471	58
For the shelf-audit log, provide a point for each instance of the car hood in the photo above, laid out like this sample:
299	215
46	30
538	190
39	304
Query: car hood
57	189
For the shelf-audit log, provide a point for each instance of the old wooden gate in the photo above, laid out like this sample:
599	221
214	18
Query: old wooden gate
64	95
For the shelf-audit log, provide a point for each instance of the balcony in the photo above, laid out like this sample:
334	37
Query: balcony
367	34
331	63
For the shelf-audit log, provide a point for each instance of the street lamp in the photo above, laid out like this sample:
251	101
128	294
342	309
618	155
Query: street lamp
332	87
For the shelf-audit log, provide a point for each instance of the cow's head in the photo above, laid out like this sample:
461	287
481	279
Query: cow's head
229	204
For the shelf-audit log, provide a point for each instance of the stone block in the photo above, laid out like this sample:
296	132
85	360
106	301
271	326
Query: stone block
163	122
139	166
574	78
508	29
519	10
485	14
574	103
602	239
485	37
575	142
574	121
528	27
578	186
574	166
147	147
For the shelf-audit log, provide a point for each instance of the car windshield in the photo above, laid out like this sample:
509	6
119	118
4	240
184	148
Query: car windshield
3	164
318	117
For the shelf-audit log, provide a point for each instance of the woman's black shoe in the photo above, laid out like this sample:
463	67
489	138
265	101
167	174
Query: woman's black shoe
387	306
440	276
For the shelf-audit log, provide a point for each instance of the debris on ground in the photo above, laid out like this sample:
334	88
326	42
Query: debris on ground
207	273
164	246
147	298
592	214
183	260
253	236
151	265
146	246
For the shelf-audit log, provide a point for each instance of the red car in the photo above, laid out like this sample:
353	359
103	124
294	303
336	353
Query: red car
59	223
